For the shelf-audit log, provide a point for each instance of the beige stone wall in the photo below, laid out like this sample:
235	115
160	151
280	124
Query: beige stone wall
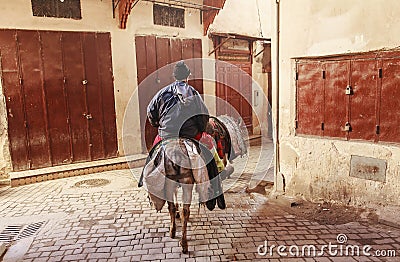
319	168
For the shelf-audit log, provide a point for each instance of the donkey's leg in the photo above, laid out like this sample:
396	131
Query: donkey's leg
176	203
172	214
170	188
187	199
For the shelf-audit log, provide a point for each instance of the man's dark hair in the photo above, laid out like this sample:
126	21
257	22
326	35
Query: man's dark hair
181	71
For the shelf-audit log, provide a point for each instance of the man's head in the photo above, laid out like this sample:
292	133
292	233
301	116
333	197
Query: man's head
181	71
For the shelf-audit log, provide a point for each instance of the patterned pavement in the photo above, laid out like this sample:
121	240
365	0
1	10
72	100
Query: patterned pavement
109	218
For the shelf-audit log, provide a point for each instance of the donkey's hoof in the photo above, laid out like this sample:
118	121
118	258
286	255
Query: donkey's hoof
184	247
177	215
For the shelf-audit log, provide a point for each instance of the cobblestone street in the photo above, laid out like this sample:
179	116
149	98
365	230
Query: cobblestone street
66	220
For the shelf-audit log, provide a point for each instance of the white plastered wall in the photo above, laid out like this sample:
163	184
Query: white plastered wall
318	168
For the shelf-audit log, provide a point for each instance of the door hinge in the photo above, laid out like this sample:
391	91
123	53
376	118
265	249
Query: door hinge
21	81
68	120
323	74
25	124
297	75
296	124
378	129
380	72
322	126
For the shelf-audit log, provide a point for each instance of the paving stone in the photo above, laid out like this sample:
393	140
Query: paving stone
119	225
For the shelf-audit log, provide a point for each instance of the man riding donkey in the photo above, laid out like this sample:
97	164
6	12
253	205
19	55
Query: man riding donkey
178	111
174	120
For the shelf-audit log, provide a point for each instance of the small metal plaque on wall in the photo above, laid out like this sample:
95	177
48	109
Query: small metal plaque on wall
368	168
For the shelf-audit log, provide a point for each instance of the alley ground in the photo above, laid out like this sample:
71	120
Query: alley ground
106	217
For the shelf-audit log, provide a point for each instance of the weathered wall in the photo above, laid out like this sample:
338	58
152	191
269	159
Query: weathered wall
250	17
5	157
315	167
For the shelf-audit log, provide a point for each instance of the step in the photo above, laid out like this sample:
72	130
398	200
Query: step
49	173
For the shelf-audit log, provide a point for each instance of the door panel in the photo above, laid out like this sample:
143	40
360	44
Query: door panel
163	60
175	49
364	81
36	113
390	105
197	74
15	107
54	89
76	96
336	102
94	113
310	99
107	88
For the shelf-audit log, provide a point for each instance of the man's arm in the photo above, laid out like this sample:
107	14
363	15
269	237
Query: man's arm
153	111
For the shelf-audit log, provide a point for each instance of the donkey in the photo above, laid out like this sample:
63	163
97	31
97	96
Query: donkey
177	163
181	162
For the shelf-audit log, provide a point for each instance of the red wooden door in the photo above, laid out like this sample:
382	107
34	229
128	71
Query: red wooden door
12	88
74	73
310	99
154	53
54	116
364	82
53	85
336	102
31	65
389	113
104	63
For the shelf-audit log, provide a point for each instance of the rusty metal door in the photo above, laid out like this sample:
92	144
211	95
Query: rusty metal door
36	117
310	98
56	103
363	107
153	53
389	114
57	85
74	74
12	88
336	101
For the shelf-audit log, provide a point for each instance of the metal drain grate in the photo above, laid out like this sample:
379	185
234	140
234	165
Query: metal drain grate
30	230
17	232
10	233
93	182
